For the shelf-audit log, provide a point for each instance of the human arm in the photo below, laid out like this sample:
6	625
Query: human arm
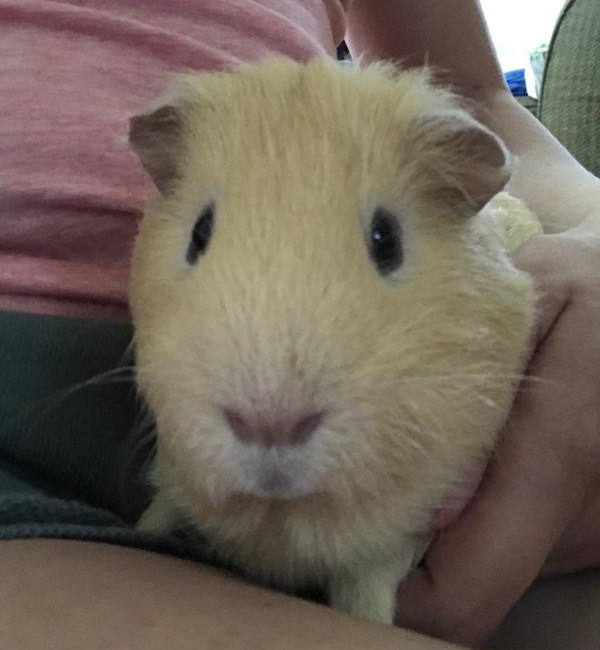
452	37
71	594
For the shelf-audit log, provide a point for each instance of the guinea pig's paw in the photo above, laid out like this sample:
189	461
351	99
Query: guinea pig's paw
368	594
159	517
369	591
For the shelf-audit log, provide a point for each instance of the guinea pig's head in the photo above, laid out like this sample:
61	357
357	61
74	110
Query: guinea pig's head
312	314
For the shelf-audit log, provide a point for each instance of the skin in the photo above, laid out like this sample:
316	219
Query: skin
535	513
94	596
534	622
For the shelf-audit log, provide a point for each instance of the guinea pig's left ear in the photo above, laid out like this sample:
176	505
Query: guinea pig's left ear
465	162
157	139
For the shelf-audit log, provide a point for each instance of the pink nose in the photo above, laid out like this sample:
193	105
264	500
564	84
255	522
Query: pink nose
255	429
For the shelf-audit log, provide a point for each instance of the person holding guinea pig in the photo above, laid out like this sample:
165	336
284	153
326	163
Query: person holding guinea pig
72	73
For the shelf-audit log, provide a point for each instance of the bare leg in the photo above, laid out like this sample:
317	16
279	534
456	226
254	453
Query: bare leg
67	595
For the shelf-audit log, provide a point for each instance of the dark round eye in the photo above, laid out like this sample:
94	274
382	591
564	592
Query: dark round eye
201	234
385	241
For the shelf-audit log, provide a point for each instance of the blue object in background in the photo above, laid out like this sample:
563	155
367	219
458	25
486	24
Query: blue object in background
516	82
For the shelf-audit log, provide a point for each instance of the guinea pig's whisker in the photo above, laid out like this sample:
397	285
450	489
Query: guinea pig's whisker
109	376
488	369
144	430
414	441
121	374
424	428
491	379
142	434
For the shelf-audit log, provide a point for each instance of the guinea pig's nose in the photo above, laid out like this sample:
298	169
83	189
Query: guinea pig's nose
256	429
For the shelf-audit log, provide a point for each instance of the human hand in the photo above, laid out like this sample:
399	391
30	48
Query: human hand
538	508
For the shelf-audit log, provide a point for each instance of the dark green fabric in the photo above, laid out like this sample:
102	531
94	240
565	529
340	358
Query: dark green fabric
71	459
62	417
570	98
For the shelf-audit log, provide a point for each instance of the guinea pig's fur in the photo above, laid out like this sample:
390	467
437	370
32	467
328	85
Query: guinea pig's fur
285	314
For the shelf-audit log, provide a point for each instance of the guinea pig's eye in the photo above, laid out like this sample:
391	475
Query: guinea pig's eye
385	241
201	234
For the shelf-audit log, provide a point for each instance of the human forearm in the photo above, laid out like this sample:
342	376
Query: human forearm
451	36
68	594
546	176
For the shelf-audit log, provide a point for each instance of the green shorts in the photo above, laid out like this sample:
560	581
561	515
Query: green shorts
73	448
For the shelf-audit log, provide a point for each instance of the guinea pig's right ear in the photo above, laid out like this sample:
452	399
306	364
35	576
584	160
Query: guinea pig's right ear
157	139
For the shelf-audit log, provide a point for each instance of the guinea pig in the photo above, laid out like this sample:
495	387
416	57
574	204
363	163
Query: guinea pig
329	331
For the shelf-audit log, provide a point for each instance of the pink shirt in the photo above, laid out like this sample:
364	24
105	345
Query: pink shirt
71	74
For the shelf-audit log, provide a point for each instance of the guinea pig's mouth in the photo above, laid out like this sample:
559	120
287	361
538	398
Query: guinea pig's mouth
276	473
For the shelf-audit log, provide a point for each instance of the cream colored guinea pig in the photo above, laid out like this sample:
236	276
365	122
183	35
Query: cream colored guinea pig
328	329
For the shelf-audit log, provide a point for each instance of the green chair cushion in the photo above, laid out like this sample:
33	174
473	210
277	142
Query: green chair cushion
570	99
